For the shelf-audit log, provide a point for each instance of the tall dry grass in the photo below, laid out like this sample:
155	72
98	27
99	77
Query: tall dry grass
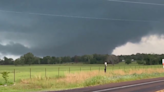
160	90
81	76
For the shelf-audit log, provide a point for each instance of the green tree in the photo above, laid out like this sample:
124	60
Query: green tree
8	61
59	60
37	60
128	61
22	60
112	59
17	62
29	58
141	62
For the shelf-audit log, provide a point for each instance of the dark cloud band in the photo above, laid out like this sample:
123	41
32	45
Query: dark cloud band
55	27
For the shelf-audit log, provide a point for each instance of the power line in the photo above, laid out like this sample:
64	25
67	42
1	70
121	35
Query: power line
156	4
80	17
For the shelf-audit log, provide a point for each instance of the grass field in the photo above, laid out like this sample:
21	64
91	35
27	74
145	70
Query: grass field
54	77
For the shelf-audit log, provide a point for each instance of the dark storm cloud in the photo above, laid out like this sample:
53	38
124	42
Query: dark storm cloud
13	49
50	35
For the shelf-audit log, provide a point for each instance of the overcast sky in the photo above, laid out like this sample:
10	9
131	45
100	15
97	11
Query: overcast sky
77	27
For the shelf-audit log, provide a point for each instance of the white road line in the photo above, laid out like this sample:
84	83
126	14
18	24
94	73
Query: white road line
128	86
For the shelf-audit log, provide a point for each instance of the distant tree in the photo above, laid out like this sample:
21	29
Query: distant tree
11	61
93	61
59	60
112	59
37	60
22	60
17	62
90	57
75	59
141	58
1	62
141	62
29	58
84	59
128	61
7	61
53	60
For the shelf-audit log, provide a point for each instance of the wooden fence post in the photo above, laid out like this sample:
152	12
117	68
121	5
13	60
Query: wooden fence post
30	73
45	73
14	75
58	71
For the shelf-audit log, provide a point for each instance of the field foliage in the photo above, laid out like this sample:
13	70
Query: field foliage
67	76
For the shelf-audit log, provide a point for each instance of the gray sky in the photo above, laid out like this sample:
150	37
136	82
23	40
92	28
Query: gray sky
77	27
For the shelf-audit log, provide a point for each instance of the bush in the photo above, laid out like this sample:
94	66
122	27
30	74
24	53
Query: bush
141	62
5	76
128	61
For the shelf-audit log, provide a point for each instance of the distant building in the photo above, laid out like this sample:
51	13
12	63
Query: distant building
132	59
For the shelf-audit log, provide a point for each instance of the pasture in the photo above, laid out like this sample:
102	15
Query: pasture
43	77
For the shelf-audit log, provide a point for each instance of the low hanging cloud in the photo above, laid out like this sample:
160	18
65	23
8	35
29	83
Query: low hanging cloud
147	44
9	56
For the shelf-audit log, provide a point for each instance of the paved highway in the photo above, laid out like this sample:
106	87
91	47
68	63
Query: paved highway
142	87
146	85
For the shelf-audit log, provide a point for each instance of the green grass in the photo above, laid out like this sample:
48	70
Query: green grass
23	72
57	71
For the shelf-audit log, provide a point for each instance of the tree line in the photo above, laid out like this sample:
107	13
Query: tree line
145	59
29	59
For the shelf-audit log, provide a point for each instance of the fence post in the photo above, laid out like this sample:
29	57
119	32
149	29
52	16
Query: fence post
30	73
69	69
99	69
58	71
80	68
90	68
45	73
14	75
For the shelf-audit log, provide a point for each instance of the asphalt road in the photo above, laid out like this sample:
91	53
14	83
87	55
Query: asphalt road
146	85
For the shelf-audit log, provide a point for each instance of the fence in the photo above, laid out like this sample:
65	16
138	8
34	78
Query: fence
19	73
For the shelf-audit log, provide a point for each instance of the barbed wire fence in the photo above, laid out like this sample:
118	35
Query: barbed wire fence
59	70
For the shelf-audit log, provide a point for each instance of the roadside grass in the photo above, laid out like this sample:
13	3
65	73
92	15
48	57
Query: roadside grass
84	79
80	75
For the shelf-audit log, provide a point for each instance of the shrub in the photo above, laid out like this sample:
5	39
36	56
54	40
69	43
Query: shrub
5	76
141	62
128	61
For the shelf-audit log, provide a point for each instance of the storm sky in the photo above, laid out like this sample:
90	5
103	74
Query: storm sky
77	27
